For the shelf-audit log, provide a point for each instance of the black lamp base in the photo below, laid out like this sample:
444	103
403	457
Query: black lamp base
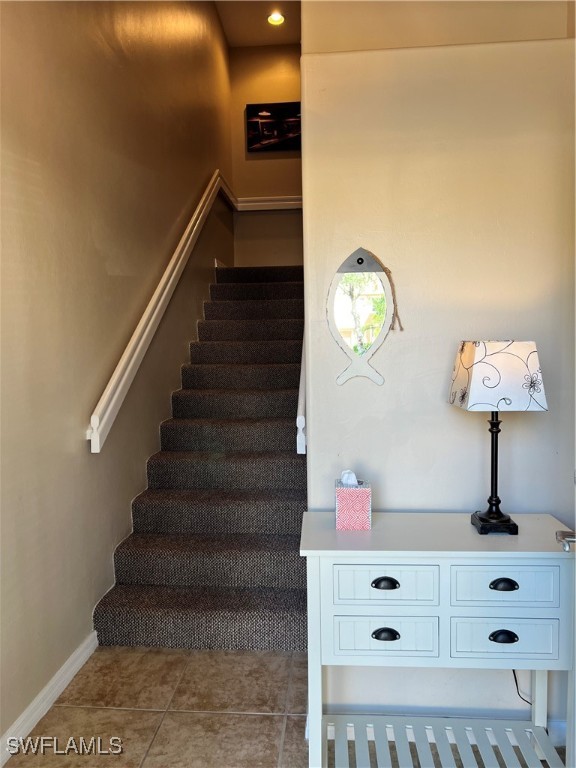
502	524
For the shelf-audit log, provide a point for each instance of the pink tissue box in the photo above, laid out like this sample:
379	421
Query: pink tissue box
353	507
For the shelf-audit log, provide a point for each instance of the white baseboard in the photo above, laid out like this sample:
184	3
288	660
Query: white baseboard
48	695
285	203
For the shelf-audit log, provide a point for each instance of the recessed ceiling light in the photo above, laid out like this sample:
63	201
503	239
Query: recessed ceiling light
276	18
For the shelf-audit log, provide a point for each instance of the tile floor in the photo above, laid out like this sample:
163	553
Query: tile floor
176	709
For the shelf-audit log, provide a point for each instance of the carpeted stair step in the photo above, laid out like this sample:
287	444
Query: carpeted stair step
266	376
228	434
254	310
205	512
288	274
214	558
226	471
256	291
234	403
239	560
203	618
245	352
250	330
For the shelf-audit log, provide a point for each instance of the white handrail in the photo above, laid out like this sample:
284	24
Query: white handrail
301	417
113	396
117	388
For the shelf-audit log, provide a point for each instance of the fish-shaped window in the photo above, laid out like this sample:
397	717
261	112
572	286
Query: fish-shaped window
361	310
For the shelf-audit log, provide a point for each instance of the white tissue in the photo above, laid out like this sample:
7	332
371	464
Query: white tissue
348	478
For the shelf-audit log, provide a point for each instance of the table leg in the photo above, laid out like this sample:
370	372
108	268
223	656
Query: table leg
540	697
316	749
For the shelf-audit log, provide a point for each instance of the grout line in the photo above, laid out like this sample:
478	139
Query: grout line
227	712
289	688
184	669
282	740
147	752
108	706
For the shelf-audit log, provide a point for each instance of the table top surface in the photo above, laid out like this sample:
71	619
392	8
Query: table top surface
446	534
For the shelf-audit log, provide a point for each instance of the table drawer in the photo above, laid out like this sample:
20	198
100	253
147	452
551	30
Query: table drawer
395	584
501	638
359	635
496	585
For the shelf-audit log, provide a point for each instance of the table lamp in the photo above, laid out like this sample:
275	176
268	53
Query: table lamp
497	376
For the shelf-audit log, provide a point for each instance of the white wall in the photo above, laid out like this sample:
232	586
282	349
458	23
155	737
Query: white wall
454	165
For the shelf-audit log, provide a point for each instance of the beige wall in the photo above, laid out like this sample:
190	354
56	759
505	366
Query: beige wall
455	166
258	75
266	74
266	238
363	25
114	117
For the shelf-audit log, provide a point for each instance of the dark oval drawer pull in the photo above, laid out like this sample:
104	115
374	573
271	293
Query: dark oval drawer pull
503	636
385	582
504	585
386	634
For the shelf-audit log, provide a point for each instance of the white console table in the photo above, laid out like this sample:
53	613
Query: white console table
426	590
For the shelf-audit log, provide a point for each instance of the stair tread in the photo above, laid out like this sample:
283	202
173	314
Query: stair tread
226	470
259	322
275	343
189	433
246	352
236	395
268	377
229	618
242	309
203	512
233	560
210	392
243	366
225	455
274	283
250	283
270	291
250	330
229	600
254	302
220	497
189	420
190	543
235	403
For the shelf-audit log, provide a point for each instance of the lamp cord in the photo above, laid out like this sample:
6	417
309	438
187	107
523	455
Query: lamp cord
518	688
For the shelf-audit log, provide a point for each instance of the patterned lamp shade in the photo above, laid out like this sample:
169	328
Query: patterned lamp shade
497	376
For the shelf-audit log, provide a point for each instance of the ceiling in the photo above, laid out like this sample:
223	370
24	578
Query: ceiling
245	22
400	24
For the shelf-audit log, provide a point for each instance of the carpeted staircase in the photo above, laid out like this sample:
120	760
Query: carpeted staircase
213	560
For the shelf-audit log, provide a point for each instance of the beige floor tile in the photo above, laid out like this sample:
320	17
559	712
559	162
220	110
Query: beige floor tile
295	750
201	740
234	681
135	678
135	729
297	703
